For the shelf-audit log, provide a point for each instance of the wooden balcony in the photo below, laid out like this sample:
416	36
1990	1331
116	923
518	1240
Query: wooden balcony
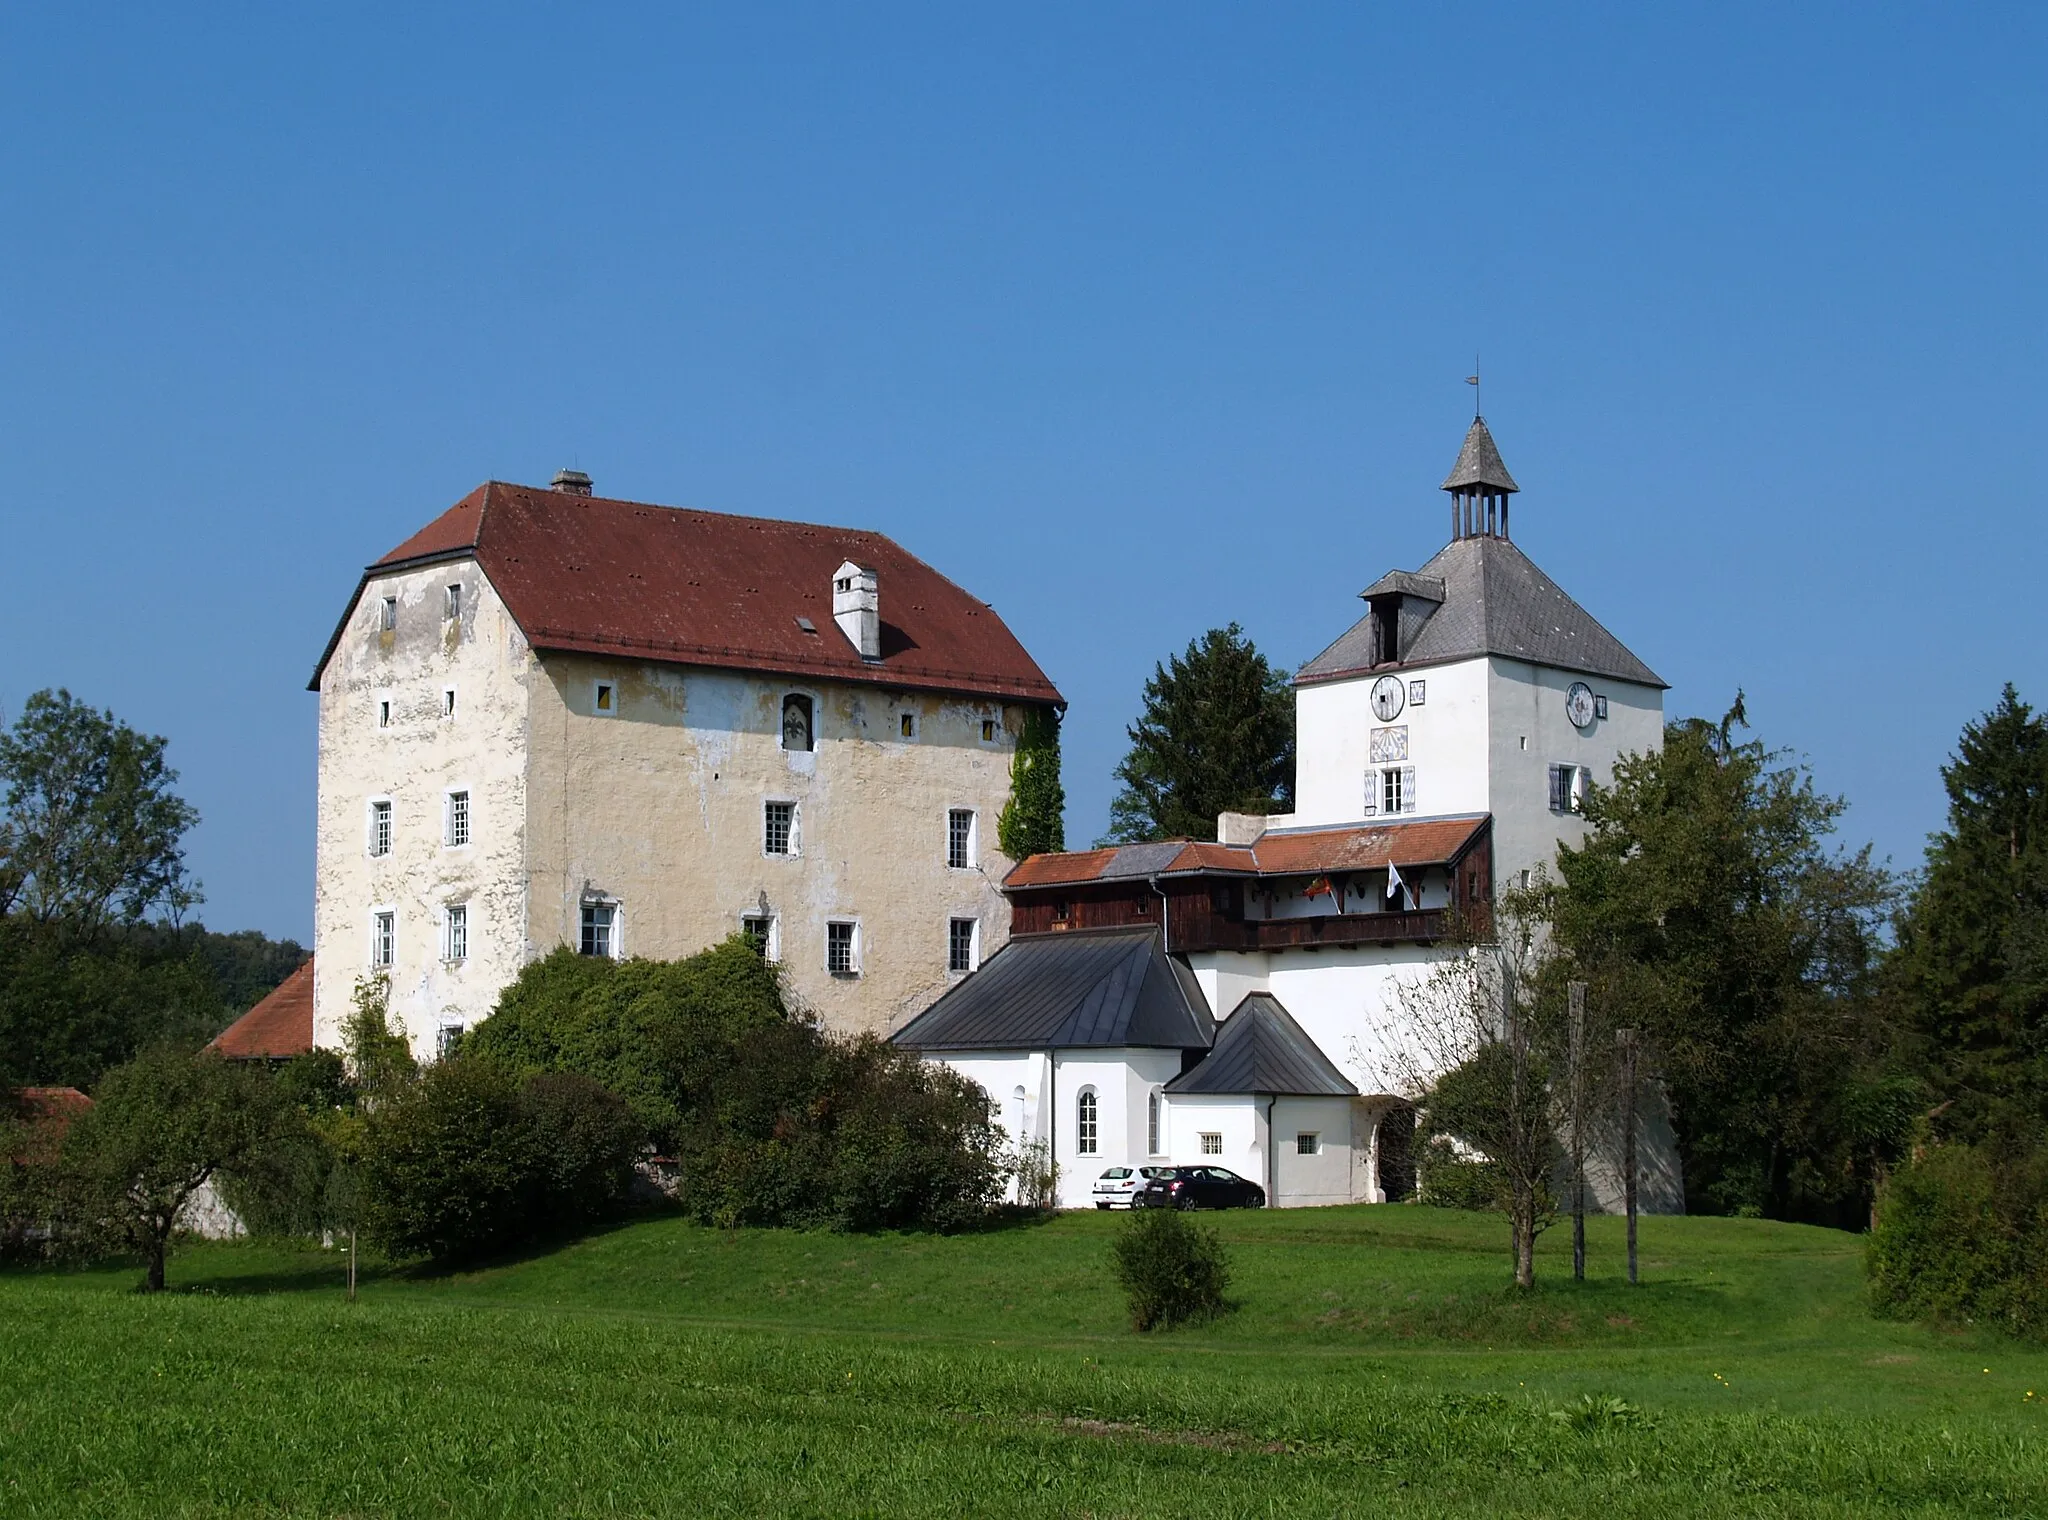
1423	926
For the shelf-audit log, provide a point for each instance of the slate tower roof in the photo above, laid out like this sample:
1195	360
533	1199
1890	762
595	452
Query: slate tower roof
1479	463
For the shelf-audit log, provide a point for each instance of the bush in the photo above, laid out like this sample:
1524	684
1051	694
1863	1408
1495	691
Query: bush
1173	1269
1962	1235
448	1170
584	1141
770	1120
1446	1179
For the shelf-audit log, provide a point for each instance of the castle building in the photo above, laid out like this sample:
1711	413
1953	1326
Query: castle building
1444	745
554	719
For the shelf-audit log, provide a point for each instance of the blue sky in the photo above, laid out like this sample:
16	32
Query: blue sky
1133	319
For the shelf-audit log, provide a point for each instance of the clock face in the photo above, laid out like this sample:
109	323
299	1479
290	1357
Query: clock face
1389	695
1578	704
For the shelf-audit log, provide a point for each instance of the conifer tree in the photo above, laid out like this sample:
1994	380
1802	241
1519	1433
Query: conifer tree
1216	736
1033	821
1972	957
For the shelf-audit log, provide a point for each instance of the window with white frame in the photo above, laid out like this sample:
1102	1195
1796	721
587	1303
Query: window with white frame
600	929
762	932
1087	1122
1212	1142
387	615
455	832
1568	787
1308	1143
960	840
799	733
447	1041
1153	1104
778	828
383	939
604	698
842	948
455	932
380	826
963	938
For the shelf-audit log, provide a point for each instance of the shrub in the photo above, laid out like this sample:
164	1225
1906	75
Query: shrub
1962	1234
584	1141
1173	1270
1446	1179
448	1169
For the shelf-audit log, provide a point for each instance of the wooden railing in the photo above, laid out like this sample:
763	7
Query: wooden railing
1425	924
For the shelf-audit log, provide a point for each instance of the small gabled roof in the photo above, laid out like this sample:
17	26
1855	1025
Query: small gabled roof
1495	601
594	575
1260	1049
1278	852
276	1029
1479	463
1087	987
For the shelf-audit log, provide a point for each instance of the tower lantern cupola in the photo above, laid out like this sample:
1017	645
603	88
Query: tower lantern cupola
1480	486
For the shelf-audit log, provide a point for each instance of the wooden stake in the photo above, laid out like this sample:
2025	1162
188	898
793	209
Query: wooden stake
1626	1038
1577	992
351	1264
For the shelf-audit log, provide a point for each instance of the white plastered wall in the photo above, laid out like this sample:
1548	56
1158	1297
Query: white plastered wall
1121	1080
414	762
1446	742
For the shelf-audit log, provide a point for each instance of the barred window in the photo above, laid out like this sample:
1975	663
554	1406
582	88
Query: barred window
960	937
778	828
458	818
1086	1125
1308	1143
1212	1142
960	838
841	952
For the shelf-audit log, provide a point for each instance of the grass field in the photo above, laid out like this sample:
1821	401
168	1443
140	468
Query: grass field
1374	1366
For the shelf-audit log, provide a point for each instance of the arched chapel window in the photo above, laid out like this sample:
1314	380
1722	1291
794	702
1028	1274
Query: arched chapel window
1085	1127
796	723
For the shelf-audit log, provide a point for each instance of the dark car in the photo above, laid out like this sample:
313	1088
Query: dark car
1197	1187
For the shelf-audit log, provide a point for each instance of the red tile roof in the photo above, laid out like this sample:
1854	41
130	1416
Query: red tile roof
1289	852
48	1112
277	1028
598	576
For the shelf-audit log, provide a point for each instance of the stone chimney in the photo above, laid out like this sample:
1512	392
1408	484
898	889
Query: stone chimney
857	609
575	482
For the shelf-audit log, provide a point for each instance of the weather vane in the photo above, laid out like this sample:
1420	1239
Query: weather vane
1473	381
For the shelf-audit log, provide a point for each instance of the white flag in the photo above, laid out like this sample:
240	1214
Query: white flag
1394	882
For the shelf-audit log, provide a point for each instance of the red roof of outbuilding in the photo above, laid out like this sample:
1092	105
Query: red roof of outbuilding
47	1113
279	1027
599	576
1287	852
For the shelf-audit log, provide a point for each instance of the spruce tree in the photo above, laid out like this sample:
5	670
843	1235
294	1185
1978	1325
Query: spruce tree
1216	735
1972	958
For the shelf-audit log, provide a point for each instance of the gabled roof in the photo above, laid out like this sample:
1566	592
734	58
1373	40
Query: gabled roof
1278	852
1479	463
1260	1049
1089	987
1495	601
276	1029
46	1115
600	576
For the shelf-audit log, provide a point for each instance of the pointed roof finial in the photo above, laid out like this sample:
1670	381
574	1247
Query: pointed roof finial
1479	464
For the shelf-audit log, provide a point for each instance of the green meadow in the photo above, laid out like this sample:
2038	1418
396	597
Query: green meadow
1375	1364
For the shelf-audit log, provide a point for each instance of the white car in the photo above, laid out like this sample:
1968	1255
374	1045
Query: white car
1115	1188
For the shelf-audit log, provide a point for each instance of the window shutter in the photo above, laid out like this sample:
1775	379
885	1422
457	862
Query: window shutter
1372	793
1408	789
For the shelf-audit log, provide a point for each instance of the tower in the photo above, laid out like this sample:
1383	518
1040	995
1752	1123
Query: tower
1480	486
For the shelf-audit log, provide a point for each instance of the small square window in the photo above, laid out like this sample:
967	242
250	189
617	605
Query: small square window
458	819
778	828
387	618
1062	912
961	934
455	932
906	725
1418	693
1308	1143
380	828
604	699
960	839
988	730
759	930
447	701
842	950
600	934
454	603
448	1041
1212	1142
383	940
383	712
